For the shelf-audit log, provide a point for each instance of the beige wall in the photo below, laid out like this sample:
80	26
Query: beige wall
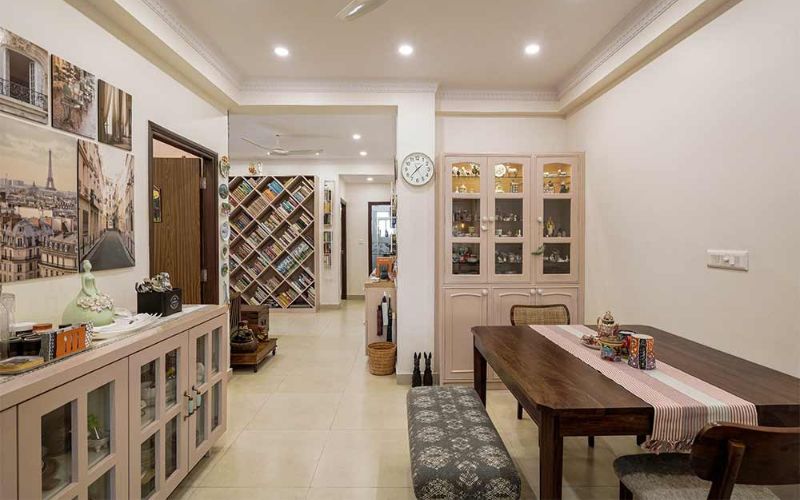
504	135
357	196
696	151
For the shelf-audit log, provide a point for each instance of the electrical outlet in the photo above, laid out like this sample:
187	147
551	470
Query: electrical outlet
738	260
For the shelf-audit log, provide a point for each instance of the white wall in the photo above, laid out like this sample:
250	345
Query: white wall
329	289
505	135
63	31
358	195
698	150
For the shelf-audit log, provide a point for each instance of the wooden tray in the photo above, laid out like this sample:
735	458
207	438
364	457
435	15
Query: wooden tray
255	358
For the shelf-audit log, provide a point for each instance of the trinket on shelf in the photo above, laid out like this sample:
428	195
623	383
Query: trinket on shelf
89	306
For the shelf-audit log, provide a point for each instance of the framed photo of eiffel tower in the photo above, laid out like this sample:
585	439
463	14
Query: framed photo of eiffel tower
38	202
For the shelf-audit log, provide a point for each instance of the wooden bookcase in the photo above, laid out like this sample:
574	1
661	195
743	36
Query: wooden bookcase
273	241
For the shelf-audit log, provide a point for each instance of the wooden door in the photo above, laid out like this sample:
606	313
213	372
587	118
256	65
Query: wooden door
463	309
177	244
158	429
73	440
568	296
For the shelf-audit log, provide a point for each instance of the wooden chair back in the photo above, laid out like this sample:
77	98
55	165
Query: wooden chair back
726	454
554	314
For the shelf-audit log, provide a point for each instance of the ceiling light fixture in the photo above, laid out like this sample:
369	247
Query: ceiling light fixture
405	50
281	51
532	49
356	137
358	8
369	179
363	153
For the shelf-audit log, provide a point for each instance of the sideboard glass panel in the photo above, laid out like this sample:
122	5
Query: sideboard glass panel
216	402
201	360
508	218
508	177
148	466
557	178
57	432
466	218
99	419
556	258
149	388
101	488
215	352
557	217
171	447
508	258
171	378
466	178
201	416
466	258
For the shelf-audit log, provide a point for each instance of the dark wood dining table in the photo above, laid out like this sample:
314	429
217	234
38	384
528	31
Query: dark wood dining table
566	397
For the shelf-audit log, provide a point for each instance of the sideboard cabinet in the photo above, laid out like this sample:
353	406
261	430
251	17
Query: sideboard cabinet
137	417
510	232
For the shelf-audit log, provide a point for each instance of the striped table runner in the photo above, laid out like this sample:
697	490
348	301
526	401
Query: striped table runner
682	403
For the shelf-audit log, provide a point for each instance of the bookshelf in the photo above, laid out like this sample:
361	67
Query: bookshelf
327	222
273	253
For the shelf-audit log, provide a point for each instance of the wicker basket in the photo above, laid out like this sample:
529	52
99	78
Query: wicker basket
382	358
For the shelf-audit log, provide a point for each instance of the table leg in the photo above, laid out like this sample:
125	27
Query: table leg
479	370
551	450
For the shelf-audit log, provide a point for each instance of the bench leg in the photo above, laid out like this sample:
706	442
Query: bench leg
519	411
624	492
640	439
591	441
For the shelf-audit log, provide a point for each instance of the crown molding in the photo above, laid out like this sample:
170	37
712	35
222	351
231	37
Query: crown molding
498	95
627	29
370	86
188	36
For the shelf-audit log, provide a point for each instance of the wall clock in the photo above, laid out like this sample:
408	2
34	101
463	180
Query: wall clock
417	169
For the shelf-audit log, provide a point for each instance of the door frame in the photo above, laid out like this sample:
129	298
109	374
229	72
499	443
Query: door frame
343	253
209	214
370	204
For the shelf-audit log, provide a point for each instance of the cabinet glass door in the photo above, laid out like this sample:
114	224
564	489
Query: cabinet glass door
208	362
158	401
73	439
467	221
557	244
508	219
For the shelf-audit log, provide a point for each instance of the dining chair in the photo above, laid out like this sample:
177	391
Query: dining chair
723	455
554	314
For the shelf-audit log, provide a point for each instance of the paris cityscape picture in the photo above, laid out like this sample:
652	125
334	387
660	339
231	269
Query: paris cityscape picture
38	202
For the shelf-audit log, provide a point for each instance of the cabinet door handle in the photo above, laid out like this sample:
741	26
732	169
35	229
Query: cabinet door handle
492	218
539	220
484	292
538	251
189	404
540	291
533	292
198	398
483	227
484	219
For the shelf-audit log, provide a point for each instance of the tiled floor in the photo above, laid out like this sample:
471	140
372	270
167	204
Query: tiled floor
313	423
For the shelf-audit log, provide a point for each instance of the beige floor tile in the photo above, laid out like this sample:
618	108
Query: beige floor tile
377	410
300	411
314	381
249	493
361	494
365	459
263	382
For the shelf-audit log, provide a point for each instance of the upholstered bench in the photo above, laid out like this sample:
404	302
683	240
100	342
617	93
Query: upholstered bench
456	452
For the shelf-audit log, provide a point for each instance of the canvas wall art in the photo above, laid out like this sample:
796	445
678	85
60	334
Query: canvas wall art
38	202
115	115
105	206
24	78
74	99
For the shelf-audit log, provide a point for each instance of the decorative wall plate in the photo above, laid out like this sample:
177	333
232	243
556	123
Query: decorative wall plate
224	166
224	270
500	170
224	231
225	208
223	191
225	251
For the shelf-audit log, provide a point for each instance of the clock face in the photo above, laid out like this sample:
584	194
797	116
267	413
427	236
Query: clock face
417	169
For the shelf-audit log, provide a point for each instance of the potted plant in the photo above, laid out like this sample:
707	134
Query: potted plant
98	438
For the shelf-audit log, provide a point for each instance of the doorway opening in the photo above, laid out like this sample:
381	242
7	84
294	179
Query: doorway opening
380	232
183	219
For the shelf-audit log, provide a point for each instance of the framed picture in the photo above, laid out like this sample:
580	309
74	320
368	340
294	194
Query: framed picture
105	206
24	78
38	202
114	118
74	99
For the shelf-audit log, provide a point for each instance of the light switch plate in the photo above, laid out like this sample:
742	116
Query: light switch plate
738	260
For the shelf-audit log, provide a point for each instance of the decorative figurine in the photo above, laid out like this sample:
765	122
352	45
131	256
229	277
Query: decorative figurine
564	188
427	377
416	377
498	188
255	168
550	227
89	306
606	326
158	283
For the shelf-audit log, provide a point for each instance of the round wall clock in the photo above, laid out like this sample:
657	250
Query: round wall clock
417	169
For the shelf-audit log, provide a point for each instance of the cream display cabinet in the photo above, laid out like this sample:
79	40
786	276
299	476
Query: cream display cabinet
510	232
128	418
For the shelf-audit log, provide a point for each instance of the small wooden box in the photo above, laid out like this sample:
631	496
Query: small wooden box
163	303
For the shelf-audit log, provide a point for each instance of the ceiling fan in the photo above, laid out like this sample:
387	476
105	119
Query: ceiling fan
277	150
358	8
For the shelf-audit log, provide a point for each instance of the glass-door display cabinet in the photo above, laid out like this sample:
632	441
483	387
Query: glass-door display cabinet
73	440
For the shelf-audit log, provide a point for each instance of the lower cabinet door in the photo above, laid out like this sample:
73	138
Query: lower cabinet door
73	440
546	296
159	404
463	309
8	453
503	299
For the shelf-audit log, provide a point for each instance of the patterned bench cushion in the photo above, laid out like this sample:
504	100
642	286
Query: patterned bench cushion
455	450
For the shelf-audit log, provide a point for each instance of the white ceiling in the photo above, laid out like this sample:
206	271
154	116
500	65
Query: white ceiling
309	129
464	44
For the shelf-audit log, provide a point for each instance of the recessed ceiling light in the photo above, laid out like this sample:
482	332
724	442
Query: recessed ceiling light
405	50
369	179
363	153
317	153
281	51
532	49
356	137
